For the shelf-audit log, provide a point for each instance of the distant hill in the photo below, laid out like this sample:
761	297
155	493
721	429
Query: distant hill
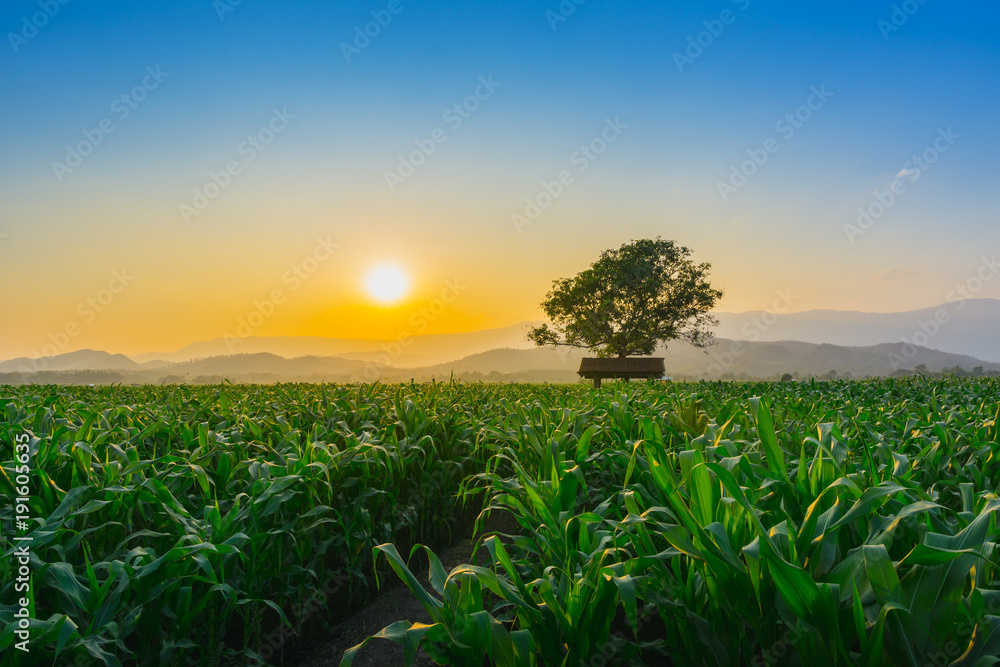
768	359
262	363
970	327
812	343
970	330
729	358
71	361
726	359
423	350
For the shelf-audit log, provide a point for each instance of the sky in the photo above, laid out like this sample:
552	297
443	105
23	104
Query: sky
180	171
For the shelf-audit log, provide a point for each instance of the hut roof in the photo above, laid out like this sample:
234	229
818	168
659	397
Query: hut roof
622	367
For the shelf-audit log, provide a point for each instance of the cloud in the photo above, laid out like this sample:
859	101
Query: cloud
907	172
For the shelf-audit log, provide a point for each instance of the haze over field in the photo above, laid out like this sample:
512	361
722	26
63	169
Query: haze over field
757	345
197	170
959	327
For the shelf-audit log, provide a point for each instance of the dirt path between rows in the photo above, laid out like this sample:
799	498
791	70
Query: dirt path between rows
394	603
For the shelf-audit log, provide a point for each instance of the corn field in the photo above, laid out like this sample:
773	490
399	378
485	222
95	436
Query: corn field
822	523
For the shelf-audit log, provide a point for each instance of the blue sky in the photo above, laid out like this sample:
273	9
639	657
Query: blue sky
560	81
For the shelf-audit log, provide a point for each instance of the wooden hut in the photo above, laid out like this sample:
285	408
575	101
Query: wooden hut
643	368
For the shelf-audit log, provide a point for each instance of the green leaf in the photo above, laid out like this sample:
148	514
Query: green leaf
768	439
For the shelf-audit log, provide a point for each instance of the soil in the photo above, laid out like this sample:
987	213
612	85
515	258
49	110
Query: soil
395	602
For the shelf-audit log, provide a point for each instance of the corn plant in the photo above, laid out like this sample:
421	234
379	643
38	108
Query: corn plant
829	523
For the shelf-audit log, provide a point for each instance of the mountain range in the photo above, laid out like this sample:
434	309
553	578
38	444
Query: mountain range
755	345
411	352
968	326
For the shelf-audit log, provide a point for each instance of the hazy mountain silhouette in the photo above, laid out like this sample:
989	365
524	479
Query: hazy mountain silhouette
808	343
970	327
725	359
71	361
423	350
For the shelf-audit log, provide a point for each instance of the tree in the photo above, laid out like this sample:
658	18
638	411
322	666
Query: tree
630	299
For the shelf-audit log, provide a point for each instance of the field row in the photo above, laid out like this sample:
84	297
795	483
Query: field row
713	523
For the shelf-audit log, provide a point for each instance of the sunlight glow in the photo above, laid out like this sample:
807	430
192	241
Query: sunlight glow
387	283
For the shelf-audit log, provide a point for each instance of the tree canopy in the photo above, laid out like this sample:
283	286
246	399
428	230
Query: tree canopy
629	300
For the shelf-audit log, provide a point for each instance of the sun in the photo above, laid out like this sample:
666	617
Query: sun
387	283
